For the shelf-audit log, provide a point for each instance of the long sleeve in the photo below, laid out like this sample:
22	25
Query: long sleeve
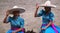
8	19
52	17
22	23
40	13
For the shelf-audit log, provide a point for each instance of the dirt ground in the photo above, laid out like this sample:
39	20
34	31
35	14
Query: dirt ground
30	21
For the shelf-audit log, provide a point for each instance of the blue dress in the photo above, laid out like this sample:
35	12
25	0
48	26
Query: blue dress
19	23
45	20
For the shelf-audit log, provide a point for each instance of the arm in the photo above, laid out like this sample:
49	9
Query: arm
5	19
18	30
48	24
37	7
51	20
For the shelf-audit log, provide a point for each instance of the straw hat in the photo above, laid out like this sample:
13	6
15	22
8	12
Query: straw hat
16	8
48	4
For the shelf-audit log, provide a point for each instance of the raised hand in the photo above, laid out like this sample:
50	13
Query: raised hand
37	5
7	13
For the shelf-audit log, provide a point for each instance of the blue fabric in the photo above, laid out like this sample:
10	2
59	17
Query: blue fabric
10	31
19	22
45	20
50	30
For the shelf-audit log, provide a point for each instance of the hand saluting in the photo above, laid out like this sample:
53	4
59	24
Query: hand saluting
37	5
7	13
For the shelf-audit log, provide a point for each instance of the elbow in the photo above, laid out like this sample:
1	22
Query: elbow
4	22
35	16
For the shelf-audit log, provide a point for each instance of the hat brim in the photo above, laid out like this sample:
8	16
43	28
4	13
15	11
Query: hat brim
52	6
21	10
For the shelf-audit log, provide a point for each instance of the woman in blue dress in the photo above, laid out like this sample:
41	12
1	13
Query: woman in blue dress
47	18
17	23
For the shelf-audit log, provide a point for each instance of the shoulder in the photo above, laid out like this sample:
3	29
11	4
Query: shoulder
42	10
10	17
51	14
21	18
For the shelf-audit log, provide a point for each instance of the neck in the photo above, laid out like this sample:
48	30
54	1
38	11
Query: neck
15	17
48	12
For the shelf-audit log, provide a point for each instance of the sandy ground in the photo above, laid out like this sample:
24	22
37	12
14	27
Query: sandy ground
30	21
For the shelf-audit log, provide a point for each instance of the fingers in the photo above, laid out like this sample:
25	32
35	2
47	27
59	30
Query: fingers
37	5
7	12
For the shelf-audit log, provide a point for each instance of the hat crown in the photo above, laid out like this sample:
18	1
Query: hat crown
18	7
15	7
48	3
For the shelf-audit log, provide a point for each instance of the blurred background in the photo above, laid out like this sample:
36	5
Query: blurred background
30	21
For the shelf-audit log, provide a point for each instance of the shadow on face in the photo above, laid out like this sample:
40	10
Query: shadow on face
47	9
16	13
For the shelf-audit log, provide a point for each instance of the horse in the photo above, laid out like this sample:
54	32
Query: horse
29	31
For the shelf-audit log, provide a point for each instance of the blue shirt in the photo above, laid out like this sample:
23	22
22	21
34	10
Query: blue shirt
46	18
19	22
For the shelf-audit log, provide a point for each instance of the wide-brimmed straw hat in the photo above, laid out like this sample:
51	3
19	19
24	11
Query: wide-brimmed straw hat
48	4
16	8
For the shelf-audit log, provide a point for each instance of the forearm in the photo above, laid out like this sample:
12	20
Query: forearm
5	21
19	30
36	12
48	24
37	7
7	14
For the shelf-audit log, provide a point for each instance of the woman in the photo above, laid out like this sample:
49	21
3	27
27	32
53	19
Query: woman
17	23
47	18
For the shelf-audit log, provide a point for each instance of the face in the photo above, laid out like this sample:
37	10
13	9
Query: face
47	9
16	13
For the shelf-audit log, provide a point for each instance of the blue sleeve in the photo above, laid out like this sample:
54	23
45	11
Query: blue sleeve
22	23
40	13
52	17
9	19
